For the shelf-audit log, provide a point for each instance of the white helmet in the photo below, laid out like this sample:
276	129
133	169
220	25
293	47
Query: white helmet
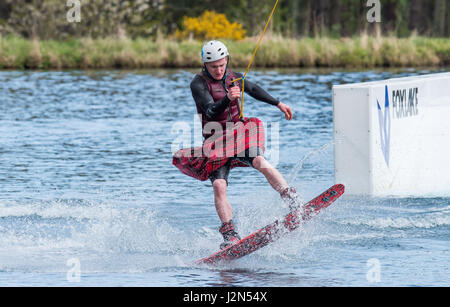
213	51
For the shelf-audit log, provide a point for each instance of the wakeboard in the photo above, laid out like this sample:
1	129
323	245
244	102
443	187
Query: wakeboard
277	229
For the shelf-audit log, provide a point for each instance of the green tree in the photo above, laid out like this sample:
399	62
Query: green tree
146	18
440	13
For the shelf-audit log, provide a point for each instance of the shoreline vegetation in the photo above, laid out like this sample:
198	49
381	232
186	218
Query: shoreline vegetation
362	51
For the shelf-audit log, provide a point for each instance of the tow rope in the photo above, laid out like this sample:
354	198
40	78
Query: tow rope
251	61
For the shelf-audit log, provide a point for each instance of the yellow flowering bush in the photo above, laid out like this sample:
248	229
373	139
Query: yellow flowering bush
210	25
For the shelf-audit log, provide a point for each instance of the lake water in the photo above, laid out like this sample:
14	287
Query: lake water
89	195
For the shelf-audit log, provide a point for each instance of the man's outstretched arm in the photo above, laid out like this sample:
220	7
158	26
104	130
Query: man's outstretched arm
260	94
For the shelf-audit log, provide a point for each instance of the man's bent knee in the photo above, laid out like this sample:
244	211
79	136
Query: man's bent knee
258	162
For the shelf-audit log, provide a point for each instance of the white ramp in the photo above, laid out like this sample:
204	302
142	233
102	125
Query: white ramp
392	137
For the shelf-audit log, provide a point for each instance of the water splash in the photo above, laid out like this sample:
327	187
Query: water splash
299	166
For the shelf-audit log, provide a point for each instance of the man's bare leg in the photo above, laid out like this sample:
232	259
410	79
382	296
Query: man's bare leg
273	176
223	206
277	181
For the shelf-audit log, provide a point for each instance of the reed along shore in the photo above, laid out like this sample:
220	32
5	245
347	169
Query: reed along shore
275	51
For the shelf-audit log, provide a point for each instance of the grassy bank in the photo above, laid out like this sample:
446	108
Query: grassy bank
363	51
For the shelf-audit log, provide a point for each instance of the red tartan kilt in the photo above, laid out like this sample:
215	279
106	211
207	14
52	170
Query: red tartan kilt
200	162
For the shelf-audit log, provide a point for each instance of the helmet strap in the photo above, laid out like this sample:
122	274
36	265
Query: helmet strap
206	72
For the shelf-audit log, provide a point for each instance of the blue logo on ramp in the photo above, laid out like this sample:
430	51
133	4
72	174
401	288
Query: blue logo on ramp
384	120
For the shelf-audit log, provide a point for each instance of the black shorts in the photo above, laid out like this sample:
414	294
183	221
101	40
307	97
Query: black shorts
224	171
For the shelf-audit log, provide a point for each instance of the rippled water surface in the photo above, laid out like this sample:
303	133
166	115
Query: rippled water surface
86	181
